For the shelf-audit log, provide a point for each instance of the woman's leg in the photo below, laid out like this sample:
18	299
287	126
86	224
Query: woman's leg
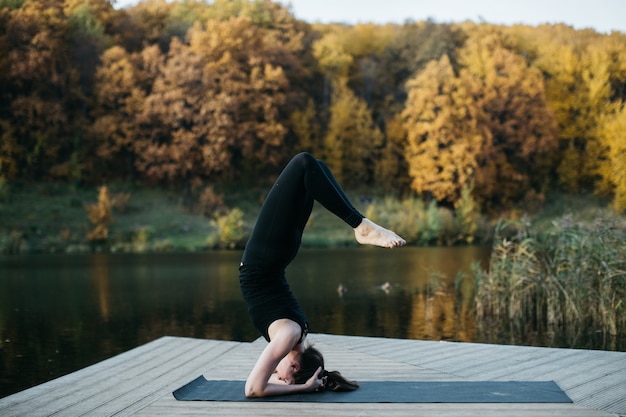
335	200
287	207
365	231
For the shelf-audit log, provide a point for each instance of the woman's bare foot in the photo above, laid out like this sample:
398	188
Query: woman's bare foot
369	233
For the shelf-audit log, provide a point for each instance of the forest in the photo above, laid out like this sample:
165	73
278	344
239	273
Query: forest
456	126
191	93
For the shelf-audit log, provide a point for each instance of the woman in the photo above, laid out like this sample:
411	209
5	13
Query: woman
285	366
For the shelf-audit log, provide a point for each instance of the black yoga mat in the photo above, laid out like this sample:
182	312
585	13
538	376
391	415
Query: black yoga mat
201	389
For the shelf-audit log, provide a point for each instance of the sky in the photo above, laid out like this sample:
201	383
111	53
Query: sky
601	15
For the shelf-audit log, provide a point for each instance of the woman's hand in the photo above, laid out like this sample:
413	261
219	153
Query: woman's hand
314	383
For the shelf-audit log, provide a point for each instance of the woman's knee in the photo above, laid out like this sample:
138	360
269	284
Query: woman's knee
306	160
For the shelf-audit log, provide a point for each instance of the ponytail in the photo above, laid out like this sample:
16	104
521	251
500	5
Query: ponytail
310	360
337	383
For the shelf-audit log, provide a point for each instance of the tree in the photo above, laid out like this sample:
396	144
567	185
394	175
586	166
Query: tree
245	88
390	168
192	110
100	215
446	132
121	85
611	133
518	157
305	125
88	22
148	23
414	45
352	138
40	93
584	73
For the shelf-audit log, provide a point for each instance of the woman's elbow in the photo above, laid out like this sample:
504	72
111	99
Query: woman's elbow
253	391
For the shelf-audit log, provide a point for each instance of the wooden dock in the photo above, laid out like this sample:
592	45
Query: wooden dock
140	382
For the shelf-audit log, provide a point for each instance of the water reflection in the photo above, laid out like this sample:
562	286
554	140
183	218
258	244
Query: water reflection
387	293
62	313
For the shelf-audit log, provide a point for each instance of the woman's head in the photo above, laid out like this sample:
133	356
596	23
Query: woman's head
310	360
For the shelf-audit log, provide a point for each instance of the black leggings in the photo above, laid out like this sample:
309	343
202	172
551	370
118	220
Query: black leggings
277	235
278	231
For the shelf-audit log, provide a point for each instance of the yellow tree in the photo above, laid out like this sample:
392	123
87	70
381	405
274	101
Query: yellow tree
611	133
245	88
306	127
100	216
39	90
151	24
517	159
209	100
584	74
332	59
352	137
331	53
390	168
606	78
121	85
445	132
171	146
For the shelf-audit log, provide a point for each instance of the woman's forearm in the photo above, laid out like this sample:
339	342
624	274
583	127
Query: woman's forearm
271	389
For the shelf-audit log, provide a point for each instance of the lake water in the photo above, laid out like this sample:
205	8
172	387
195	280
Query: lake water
60	313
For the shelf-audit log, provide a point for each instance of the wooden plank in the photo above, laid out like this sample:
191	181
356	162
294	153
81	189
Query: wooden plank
515	366
569	368
89	387
140	381
363	366
170	407
97	393
161	380
26	401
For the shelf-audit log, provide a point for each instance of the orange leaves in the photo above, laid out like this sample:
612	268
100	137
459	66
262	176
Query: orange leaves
611	170
522	127
487	128
444	132
352	137
183	91
100	215
183	113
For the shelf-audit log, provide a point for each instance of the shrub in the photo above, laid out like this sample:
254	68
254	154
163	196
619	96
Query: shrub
427	224
467	215
430	224
231	231
100	216
210	203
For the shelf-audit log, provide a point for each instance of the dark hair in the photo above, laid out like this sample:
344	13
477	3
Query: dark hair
310	360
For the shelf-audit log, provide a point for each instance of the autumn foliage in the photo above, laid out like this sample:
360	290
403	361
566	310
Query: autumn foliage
191	93
100	215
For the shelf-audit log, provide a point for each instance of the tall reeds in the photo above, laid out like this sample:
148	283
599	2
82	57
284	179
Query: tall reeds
569	279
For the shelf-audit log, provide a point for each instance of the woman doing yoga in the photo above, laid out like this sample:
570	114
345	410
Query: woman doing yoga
285	365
